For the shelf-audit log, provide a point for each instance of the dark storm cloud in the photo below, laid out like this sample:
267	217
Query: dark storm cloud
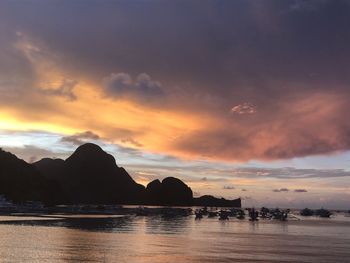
215	42
285	63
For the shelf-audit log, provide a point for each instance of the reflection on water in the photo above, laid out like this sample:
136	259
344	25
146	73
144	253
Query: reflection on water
91	224
154	225
151	225
180	239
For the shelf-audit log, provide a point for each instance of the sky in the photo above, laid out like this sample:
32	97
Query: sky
237	98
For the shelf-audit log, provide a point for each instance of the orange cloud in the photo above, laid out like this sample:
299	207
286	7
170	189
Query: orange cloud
299	124
305	125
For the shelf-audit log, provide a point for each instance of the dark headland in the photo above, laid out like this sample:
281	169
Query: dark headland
91	176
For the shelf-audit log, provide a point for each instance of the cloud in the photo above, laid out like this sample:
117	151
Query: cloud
228	187
300	190
287	173
64	89
227	55
280	190
30	153
132	142
224	173
244	190
287	190
288	129
119	85
245	108
80	138
30	75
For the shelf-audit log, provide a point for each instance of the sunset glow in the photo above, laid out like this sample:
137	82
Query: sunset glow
237	104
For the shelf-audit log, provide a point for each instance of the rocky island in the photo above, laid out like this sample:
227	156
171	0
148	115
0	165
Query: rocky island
91	176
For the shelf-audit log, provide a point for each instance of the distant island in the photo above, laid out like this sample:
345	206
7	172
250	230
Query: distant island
91	176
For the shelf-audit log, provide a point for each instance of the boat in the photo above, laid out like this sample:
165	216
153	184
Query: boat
265	213
240	214
223	215
253	214
280	214
307	212
198	214
323	213
212	214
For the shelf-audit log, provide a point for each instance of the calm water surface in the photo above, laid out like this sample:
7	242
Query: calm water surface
157	239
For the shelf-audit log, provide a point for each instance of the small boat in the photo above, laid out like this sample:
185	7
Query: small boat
199	214
204	210
306	212
279	214
265	213
253	214
319	212
232	212
323	213
240	214
212	214
223	215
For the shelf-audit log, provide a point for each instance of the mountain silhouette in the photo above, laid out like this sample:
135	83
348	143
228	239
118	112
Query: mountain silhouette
209	200
51	168
90	175
20	182
171	191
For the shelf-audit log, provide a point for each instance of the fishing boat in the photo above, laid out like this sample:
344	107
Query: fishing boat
240	214
306	212
323	213
198	213
253	214
212	214
223	215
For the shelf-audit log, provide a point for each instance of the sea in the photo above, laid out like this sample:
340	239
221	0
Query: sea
102	238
